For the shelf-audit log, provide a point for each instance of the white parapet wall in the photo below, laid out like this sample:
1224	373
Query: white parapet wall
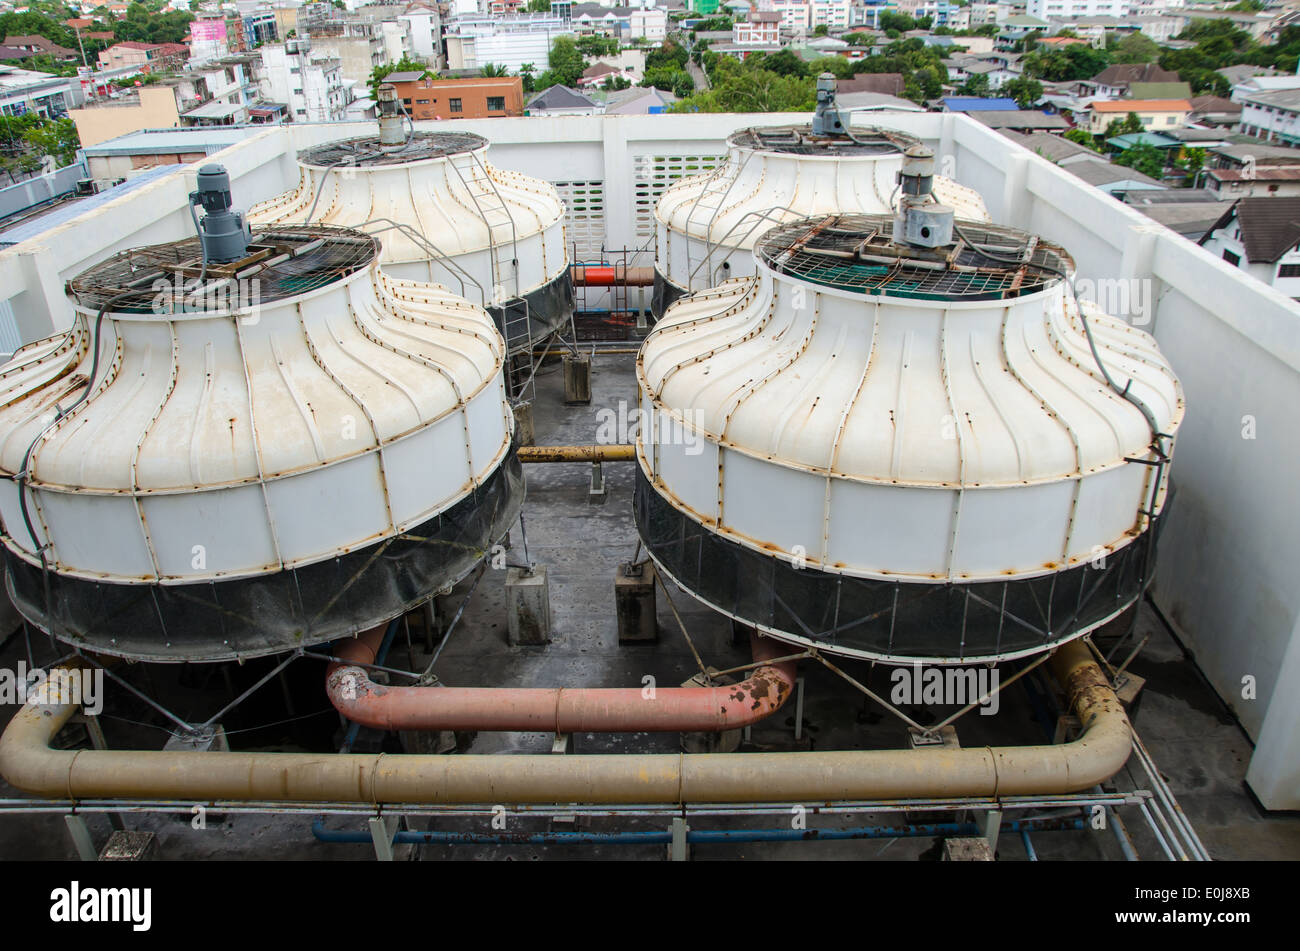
1227	571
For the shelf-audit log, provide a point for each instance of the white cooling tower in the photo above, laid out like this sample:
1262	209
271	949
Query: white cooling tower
896	453
305	447
707	225
443	214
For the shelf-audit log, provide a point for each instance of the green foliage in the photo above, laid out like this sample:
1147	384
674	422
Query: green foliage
538	6
975	85
718	24
1146	159
526	73
821	30
566	62
1082	137
1026	92
859	39
1135	48
597	46
493	71
898	21
140	25
1129	125
25	140
1193	161
615	83
404	65
1076	61
669	54
670	78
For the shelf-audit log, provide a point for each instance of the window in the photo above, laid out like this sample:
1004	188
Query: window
454	105
1233	259
422	102
496	103
1289	270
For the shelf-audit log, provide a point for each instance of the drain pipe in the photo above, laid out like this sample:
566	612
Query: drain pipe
551	710
617	452
28	763
611	275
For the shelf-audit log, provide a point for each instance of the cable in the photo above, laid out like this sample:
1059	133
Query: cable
1125	391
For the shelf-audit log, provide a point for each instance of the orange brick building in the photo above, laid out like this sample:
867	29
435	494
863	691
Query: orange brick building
458	98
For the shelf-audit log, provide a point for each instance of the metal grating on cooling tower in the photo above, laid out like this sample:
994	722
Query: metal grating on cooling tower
366	150
798	140
856	253
284	261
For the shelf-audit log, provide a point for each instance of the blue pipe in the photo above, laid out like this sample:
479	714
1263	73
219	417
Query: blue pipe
410	837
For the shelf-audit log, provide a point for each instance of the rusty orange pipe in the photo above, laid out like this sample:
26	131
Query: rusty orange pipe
555	710
617	275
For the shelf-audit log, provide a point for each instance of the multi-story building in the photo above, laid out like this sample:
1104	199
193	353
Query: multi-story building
480	98
1273	116
310	86
424	24
1076	8
144	56
648	23
763	28
834	14
940	12
473	42
209	38
358	55
396	36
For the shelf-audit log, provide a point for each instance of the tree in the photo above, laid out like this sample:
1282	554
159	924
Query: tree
1082	137
404	65
1026	92
1192	162
57	137
1143	158
615	83
977	84
567	64
1129	125
1135	48
493	71
526	72
896	21
539	6
597	46
1076	61
676	81
821	30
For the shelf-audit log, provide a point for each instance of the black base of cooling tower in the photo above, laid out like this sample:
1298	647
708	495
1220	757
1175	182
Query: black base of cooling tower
297	607
891	621
548	308
665	294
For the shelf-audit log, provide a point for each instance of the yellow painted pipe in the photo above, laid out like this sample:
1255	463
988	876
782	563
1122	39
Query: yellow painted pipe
614	453
28	762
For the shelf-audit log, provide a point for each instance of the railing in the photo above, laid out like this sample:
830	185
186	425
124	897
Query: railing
1226	578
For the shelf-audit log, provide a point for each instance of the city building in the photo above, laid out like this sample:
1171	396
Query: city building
144	56
424	24
25	90
763	28
475	41
476	98
311	87
1156	115
1262	237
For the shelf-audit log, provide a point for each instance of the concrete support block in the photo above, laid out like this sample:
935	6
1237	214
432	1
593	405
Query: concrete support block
528	606
525	431
577	378
129	847
634	603
967	850
727	741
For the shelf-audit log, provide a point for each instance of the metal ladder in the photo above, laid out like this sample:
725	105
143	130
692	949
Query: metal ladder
492	210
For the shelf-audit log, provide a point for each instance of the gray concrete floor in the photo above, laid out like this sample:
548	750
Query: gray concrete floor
1199	748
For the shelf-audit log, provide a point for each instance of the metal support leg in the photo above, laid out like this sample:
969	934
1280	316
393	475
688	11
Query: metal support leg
678	851
990	826
80	833
382	830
